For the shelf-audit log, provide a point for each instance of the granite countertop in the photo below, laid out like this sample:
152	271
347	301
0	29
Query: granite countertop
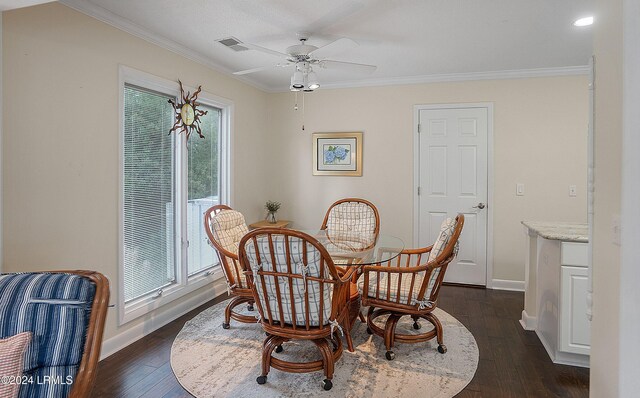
565	231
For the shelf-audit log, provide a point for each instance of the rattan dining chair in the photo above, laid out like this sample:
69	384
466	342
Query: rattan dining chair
353	222
409	285
225	227
299	296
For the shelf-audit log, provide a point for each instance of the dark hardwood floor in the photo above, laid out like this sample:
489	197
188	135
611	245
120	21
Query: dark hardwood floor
513	362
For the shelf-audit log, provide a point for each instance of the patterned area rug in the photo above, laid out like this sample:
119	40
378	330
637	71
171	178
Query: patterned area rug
210	361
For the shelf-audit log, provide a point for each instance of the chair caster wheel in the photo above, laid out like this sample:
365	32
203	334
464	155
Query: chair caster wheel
369	330
327	384
279	348
250	307
390	355
442	348
225	325
416	325
261	379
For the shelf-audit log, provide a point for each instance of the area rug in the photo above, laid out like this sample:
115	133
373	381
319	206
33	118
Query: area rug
210	361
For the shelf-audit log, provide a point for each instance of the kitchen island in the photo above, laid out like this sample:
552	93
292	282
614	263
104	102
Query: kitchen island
556	289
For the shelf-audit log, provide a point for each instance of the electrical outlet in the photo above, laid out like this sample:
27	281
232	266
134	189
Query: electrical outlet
616	229
519	189
572	190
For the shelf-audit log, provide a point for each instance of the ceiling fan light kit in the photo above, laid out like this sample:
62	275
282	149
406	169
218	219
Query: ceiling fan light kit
312	80
304	78
304	57
297	80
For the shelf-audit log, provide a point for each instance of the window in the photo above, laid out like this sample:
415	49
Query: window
203	189
167	185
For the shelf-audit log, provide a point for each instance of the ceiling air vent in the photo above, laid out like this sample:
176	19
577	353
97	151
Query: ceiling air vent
232	43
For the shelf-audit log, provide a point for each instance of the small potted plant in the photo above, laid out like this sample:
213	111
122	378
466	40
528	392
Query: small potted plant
272	207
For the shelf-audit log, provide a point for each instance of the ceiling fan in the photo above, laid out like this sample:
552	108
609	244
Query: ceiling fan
305	56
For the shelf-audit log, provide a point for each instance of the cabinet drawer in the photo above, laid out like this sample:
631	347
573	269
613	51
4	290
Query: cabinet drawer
573	253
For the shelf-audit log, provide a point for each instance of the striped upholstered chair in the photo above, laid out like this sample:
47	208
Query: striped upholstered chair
408	285
225	227
299	295
64	314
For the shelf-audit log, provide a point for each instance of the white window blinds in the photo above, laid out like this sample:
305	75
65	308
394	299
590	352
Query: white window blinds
149	233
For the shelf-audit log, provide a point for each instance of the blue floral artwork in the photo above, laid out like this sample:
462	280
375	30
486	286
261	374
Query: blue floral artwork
336	154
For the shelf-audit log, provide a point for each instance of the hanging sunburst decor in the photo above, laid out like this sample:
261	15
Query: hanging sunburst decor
187	113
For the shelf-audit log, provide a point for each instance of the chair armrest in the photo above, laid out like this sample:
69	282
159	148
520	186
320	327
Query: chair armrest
394	269
348	276
88	368
421	250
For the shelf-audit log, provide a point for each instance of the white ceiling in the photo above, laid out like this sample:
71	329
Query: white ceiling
12	4
409	40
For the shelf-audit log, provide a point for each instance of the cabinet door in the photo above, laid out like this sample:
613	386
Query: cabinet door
575	328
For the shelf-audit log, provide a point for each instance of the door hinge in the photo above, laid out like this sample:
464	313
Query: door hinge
418	191
419	128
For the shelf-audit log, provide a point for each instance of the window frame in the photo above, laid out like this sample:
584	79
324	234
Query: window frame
184	284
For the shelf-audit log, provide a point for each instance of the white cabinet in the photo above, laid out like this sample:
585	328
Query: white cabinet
575	331
575	328
556	291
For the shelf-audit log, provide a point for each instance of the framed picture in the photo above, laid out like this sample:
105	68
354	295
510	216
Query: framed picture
337	154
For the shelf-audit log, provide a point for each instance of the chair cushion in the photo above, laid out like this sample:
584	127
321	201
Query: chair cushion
352	224
447	228
228	227
390	281
56	308
269	294
12	351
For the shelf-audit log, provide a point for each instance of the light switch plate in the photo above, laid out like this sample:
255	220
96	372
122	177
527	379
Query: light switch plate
519	189
616	229
573	190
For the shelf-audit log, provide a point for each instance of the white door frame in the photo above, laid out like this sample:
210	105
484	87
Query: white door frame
416	174
629	324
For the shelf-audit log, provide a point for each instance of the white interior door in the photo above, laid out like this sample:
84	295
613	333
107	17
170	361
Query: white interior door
453	179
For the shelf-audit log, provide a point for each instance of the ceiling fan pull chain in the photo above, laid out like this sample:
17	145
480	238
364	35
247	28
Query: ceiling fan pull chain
303	111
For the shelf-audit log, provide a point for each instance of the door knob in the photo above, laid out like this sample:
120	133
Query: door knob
479	206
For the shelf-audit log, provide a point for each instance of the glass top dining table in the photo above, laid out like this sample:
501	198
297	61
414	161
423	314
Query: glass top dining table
350	250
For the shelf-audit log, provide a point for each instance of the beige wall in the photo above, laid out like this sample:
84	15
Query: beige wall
605	326
540	129
61	143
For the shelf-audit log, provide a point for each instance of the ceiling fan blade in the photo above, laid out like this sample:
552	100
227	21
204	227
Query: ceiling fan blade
334	48
265	50
360	68
247	71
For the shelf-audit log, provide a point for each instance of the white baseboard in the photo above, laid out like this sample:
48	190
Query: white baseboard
528	322
564	358
153	323
505	284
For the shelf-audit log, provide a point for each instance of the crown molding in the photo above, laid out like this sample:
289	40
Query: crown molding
460	77
126	25
106	16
